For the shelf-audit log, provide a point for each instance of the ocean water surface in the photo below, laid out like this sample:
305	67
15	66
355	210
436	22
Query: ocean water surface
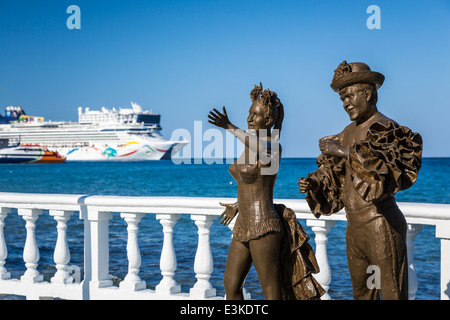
164	178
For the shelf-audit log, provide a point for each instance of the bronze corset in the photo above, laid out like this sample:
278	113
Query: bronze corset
257	214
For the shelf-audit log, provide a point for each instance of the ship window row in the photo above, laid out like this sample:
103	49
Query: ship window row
51	144
65	141
106	118
65	138
68	134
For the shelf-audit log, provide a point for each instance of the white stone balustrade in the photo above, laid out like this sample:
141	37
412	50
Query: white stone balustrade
411	233
443	232
132	280
96	212
203	266
62	252
168	261
31	250
321	228
4	274
96	248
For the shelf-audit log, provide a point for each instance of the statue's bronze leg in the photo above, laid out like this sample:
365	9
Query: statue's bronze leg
238	265
265	254
358	263
387	254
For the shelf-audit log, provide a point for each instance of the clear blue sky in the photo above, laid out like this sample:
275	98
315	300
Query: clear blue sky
180	58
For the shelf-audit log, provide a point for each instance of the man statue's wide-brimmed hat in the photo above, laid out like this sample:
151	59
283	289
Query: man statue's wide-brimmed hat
348	74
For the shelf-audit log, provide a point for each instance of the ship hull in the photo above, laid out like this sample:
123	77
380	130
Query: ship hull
131	151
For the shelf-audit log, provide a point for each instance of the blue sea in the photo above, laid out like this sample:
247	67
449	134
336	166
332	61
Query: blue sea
164	178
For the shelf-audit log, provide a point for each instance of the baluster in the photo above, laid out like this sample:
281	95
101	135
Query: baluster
132	280
321	229
168	262
3	249
31	250
443	233
412	231
61	255
96	248
203	265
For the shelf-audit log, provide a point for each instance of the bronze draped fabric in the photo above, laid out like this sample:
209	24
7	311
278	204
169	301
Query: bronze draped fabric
297	261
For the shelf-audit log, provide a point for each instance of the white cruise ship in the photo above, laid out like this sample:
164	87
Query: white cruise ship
99	135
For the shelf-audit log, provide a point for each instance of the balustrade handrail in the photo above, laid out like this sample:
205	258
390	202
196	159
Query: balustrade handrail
430	213
96	211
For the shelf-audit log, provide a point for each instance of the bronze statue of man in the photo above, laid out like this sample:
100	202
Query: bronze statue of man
361	169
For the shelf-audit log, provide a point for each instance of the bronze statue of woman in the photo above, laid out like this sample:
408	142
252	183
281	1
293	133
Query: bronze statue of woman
259	229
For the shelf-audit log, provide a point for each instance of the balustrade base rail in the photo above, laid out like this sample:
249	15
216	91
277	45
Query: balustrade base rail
97	211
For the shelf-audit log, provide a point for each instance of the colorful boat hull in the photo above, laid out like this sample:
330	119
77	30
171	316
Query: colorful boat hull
29	154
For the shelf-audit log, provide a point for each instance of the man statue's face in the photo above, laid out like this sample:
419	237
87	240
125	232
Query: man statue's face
356	103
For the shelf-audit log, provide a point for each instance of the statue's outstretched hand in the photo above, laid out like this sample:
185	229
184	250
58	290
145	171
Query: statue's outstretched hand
219	119
228	215
306	184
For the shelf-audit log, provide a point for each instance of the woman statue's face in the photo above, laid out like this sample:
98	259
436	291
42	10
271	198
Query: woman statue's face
257	118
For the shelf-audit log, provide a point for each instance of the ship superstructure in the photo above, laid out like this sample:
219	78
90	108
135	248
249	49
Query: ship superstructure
99	135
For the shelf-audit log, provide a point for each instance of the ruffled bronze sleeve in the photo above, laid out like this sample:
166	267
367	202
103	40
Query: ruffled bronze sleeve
387	161
329	180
